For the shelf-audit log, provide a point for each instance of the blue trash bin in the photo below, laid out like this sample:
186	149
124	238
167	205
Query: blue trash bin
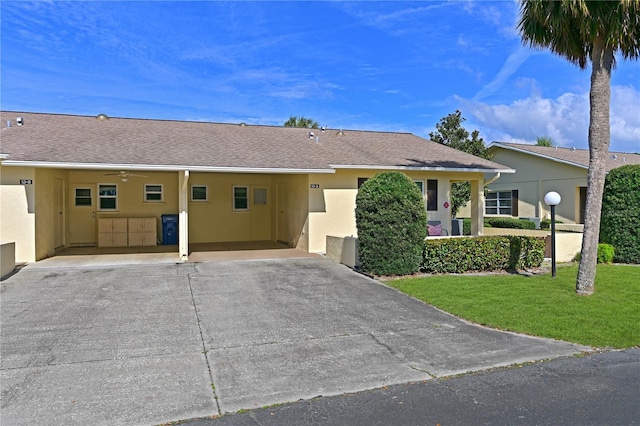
169	229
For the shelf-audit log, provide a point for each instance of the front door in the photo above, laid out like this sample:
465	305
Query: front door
261	213
82	215
58	213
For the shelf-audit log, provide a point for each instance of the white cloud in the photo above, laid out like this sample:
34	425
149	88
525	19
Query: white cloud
564	119
510	66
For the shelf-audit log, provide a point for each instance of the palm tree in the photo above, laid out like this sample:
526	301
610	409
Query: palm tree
583	31
301	121
544	141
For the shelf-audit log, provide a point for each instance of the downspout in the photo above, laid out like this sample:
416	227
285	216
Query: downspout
493	179
183	226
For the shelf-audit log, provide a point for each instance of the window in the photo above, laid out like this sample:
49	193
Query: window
107	196
240	198
83	197
502	202
259	196
432	195
152	193
199	193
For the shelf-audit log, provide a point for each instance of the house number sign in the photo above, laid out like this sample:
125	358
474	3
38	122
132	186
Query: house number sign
315	185
26	181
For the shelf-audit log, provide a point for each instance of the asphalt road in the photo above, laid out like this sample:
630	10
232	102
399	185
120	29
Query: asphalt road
597	389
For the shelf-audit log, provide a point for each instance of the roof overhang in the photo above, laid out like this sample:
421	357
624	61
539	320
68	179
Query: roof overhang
161	168
535	154
420	169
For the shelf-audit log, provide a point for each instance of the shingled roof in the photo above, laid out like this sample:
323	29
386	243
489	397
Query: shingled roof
573	156
72	141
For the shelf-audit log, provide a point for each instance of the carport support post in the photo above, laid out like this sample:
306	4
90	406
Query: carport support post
477	207
183	219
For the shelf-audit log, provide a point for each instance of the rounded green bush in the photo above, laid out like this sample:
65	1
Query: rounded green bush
606	253
620	220
392	224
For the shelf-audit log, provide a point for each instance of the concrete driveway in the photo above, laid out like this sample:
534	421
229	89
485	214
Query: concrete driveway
147	344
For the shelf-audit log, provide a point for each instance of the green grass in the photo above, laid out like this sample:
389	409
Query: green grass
540	305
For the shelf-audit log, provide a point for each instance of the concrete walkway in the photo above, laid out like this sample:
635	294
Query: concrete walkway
152	343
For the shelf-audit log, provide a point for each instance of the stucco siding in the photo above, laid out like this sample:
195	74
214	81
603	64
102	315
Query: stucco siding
17	211
50	184
332	203
215	220
534	177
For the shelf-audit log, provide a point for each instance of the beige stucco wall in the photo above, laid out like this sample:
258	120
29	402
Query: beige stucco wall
46	214
215	221
535	177
130	196
17	211
332	204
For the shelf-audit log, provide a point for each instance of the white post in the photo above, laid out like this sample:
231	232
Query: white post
183	220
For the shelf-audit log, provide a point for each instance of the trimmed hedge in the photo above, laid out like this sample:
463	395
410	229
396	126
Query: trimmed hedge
477	254
392	224
499	222
506	222
620	219
546	223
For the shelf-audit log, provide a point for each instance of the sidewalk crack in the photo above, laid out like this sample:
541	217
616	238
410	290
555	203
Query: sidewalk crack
204	348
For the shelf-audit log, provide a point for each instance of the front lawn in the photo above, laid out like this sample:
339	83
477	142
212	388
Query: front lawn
540	305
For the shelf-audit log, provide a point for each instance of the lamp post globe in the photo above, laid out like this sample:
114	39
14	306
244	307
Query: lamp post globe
552	198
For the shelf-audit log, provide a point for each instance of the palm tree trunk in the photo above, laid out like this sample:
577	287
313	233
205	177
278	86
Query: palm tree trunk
599	138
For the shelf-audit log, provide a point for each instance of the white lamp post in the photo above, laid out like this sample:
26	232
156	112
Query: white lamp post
553	199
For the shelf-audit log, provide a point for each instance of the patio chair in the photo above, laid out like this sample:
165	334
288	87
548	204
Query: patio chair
434	229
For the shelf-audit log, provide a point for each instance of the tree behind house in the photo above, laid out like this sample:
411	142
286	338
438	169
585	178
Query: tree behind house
451	133
581	32
295	121
544	141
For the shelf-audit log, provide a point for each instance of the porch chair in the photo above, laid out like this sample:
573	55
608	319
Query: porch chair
434	229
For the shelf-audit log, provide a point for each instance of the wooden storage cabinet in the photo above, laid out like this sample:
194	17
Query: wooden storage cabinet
123	232
142	231
112	232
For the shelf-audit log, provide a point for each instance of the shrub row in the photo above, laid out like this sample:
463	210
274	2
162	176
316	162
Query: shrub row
500	222
606	253
476	254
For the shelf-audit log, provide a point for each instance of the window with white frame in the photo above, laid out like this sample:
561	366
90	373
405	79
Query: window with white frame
199	193
83	197
153	192
240	198
499	202
107	196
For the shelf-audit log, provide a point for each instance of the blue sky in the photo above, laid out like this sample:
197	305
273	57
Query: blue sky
393	66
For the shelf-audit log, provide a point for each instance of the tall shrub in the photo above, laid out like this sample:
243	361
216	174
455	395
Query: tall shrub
392	224
620	221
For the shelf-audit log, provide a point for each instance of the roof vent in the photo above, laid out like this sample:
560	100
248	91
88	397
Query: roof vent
573	148
8	123
323	128
102	117
614	157
624	159
19	121
340	133
311	135
243	124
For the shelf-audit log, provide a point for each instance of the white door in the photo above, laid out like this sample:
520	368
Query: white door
58	212
282	209
82	214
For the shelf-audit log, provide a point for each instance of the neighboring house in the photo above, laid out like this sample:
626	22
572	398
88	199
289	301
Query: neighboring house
541	169
62	186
